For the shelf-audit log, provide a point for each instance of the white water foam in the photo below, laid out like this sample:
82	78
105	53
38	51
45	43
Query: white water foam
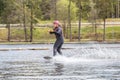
96	52
71	59
99	53
89	54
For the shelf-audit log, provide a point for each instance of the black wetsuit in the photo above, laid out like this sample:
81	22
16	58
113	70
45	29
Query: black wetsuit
59	40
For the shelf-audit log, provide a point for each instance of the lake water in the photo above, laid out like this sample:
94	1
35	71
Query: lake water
79	62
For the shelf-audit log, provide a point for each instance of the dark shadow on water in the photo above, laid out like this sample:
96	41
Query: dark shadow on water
59	68
56	68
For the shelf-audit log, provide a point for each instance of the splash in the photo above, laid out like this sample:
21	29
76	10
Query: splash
89	54
98	52
71	59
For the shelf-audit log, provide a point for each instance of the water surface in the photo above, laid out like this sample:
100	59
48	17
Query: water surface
79	62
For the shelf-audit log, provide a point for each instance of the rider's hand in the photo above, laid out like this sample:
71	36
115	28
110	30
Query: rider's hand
50	30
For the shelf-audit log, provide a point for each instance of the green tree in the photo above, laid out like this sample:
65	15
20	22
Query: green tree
7	15
2	5
93	16
33	7
82	13
45	7
65	10
80	18
69	19
24	19
53	9
62	10
104	8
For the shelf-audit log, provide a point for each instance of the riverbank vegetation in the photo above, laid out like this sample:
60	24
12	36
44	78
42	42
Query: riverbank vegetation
40	34
27	13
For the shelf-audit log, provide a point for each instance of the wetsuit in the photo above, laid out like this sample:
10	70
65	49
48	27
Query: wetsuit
59	40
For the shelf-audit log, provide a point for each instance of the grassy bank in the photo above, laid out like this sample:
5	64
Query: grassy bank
40	34
89	33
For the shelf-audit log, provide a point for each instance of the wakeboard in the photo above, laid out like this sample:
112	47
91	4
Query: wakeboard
47	57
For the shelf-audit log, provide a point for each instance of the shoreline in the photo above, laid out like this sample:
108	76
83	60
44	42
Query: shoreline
86	42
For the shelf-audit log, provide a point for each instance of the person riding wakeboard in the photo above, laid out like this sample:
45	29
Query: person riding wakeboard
59	37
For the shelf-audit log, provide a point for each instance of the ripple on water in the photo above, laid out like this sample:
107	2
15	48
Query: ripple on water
83	62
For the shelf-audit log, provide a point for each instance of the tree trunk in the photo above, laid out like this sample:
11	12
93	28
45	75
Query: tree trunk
67	31
8	26
115	11
118	9
64	28
69	19
55	2
80	17
95	31
104	30
31	26
24	21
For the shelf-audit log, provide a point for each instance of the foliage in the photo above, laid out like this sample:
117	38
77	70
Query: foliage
62	10
2	5
104	8
85	8
41	34
45	9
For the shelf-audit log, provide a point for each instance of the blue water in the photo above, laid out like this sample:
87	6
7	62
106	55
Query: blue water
79	62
